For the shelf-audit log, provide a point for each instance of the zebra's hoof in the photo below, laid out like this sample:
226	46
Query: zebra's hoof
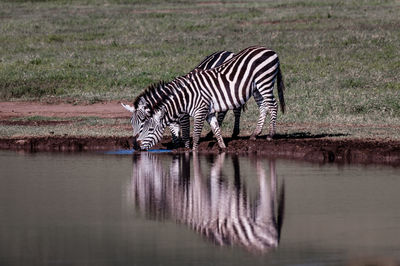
253	137
269	137
222	147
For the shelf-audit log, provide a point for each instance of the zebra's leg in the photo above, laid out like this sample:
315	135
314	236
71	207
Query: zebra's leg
185	125
175	129
236	129
265	103
220	118
198	124
273	110
262	106
212	120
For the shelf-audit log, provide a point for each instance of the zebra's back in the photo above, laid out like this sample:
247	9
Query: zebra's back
215	59
231	84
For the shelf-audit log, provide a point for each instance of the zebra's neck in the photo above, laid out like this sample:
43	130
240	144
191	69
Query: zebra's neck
177	102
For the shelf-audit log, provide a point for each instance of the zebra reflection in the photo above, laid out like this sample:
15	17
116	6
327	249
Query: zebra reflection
214	205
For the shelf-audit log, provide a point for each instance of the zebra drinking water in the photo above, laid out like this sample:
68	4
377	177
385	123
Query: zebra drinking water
147	99
202	93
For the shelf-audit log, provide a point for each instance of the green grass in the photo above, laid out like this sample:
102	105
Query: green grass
340	59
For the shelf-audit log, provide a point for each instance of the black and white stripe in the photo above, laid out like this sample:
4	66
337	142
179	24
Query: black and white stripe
147	99
220	207
202	93
214	60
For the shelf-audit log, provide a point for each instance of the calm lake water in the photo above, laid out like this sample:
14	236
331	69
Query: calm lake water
163	209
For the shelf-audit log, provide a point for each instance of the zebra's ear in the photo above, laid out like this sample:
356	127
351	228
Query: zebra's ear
128	107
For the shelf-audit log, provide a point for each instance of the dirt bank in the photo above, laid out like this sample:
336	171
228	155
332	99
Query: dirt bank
301	145
24	109
315	150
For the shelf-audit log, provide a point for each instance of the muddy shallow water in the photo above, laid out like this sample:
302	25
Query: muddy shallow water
181	209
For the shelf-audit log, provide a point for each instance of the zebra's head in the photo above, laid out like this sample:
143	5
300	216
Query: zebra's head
151	131
139	116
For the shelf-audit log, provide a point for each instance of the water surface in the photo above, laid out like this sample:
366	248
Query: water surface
162	209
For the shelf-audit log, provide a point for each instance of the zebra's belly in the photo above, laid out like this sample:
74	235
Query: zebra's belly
228	95
221	104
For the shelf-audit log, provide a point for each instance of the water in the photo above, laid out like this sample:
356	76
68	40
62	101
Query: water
163	209
127	152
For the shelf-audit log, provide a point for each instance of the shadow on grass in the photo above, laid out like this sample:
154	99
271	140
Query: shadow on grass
289	136
306	135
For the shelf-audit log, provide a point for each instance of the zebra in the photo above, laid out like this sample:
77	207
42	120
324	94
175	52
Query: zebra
222	209
147	99
202	93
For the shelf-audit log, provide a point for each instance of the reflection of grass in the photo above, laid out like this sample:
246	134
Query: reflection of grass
340	59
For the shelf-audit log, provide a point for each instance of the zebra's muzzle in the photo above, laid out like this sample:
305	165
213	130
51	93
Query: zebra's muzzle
139	144
136	143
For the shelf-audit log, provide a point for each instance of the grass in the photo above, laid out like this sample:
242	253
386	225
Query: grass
340	59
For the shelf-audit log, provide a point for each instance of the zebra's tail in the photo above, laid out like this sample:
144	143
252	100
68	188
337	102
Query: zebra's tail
281	88
281	210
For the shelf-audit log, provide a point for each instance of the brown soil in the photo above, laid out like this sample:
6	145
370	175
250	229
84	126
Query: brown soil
317	148
26	109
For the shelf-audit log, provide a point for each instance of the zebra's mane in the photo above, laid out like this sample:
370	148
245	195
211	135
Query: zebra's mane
156	92
171	88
